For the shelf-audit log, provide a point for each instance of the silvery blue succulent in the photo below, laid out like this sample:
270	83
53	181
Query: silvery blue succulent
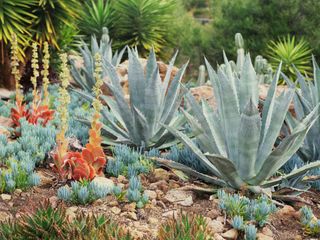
237	222
83	195
134	183
152	103
133	195
117	190
64	193
250	232
10	185
236	143
34	179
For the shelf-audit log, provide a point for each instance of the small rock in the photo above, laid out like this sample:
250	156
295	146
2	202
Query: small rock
216	226
4	216
17	191
231	234
151	194
220	219
217	236
162	185
115	210
161	174
71	212
53	201
45	179
113	203
132	216
122	179
214	213
287	210
267	231
180	197
10	204
98	202
5	197
171	214
104	182
131	207
153	221
261	236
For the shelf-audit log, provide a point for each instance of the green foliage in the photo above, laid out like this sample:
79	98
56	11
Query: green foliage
186	226
262	21
50	14
220	133
15	17
152	103
143	24
50	223
309	222
95	16
127	162
293	55
242	210
82	192
98	227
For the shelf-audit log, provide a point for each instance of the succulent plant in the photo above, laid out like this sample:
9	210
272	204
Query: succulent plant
250	232
305	100
128	162
186	226
84	76
238	142
243	210
237	222
82	192
152	103
98	227
309	222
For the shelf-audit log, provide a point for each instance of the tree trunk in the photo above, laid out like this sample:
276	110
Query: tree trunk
6	78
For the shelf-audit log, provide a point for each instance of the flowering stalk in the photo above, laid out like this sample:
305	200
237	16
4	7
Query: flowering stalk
35	67
64	100
45	73
15	70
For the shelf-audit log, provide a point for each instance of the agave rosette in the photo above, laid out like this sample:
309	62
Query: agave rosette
236	143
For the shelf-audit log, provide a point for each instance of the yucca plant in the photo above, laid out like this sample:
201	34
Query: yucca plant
84	76
236	143
50	15
143	23
305	100
293	54
95	16
152	102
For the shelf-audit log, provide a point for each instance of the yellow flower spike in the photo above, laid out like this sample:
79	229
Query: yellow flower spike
15	68
64	100
45	73
97	105
35	68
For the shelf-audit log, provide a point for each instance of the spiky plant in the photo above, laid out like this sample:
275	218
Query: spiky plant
98	227
151	103
236	143
96	15
84	75
293	54
143	24
46	223
186	226
305	100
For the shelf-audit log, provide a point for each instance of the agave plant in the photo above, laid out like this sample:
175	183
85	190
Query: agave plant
305	100
292	54
152	102
235	142
84	76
